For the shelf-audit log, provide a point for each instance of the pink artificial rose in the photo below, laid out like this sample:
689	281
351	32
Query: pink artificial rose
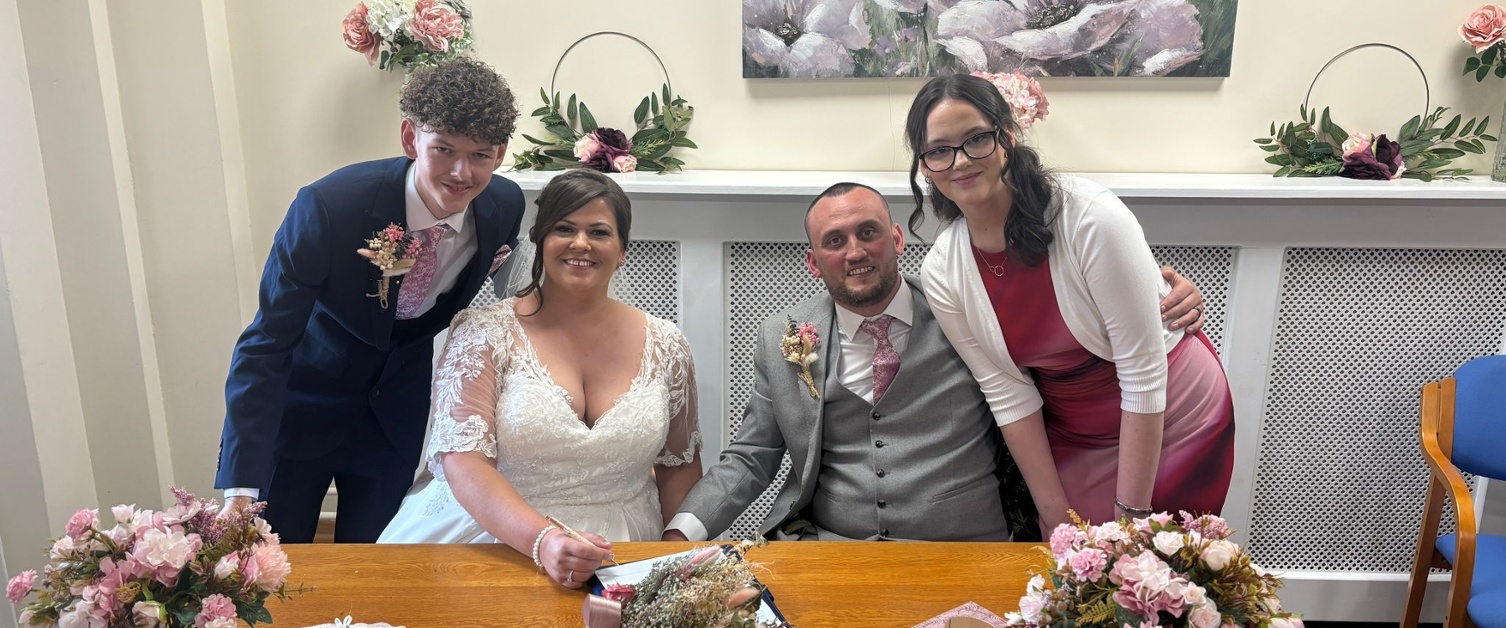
435	25
1357	142
19	586
1286	622
1485	27
81	522
1205	615
1218	554
358	35
1027	101
624	163
214	607
148	614
272	567
586	147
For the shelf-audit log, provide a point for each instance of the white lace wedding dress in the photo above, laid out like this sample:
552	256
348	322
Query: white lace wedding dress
493	395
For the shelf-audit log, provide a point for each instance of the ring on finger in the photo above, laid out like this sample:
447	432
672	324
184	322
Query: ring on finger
570	578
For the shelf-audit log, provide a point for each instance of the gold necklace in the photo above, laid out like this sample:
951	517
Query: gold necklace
998	271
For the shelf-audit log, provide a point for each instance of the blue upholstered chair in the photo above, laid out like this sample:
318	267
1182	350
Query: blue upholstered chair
1463	431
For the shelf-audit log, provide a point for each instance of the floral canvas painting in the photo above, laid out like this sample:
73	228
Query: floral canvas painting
890	38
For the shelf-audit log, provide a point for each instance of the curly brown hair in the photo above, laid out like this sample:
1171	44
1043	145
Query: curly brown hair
463	96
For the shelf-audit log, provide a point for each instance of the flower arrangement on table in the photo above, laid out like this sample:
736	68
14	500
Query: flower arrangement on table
408	33
177	568
694	589
1027	101
1154	571
575	140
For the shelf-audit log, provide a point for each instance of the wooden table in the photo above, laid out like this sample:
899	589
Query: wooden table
814	583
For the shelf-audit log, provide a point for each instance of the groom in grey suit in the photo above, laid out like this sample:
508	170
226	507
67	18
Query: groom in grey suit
876	453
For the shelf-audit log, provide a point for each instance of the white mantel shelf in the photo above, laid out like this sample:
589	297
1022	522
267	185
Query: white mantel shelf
1126	185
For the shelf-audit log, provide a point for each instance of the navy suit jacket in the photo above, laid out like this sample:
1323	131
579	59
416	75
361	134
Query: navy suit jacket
321	354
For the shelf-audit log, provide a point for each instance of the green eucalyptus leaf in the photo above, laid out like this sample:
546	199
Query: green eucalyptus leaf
570	110
1484	124
1469	146
535	140
1447	153
1482	72
1262	140
560	153
683	142
544	95
1470	64
1282	171
1410	128
1489	56
1279	160
587	121
1501	71
1270	148
541	111
1468	126
641	113
1453	125
1488	138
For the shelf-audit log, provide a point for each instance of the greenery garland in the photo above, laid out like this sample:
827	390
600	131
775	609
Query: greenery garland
1314	146
659	128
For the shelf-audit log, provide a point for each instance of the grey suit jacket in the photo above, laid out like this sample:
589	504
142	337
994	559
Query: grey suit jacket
781	416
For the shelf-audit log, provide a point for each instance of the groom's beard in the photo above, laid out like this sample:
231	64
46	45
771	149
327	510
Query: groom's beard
861	298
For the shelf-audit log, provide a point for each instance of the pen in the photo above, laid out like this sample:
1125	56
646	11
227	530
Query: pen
577	536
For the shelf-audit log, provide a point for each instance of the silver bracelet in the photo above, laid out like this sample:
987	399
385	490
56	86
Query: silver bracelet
1138	512
539	540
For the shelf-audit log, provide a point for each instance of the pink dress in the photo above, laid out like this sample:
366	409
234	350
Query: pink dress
1081	396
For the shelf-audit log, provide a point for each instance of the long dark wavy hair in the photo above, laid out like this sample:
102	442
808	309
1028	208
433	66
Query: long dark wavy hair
562	196
1027	229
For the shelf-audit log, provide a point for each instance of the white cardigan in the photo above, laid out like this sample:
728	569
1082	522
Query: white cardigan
1107	285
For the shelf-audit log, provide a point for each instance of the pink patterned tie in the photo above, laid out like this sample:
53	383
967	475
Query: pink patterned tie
416	285
885	358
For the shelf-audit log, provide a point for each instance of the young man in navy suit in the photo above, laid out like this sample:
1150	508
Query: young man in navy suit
331	382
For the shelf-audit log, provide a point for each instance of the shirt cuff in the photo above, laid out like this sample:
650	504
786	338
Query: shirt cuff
253	493
689	526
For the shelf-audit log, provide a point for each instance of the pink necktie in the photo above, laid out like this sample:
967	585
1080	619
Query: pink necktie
885	358
416	285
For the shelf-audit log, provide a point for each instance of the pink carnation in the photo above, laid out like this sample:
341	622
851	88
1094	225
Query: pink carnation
358	35
19	586
215	607
1088	565
272	567
1485	27
435	25
81	523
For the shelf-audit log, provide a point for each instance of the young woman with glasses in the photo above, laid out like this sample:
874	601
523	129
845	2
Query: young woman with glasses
1048	290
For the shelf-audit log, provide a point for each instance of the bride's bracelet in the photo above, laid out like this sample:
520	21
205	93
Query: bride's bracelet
1135	512
539	540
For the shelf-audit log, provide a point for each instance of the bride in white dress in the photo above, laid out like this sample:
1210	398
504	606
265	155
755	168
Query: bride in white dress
561	402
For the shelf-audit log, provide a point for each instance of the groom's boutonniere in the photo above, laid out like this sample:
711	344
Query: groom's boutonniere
798	344
392	251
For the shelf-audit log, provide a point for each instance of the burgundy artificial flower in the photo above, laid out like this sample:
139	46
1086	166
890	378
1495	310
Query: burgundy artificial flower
612	144
1381	163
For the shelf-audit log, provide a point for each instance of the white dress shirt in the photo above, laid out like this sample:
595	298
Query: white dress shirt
854	370
456	249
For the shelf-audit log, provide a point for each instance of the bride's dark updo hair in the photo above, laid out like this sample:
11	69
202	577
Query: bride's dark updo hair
562	196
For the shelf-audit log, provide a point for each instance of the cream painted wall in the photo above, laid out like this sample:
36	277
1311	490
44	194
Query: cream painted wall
308	105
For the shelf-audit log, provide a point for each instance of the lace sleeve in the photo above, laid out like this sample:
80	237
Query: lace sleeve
684	437
466	387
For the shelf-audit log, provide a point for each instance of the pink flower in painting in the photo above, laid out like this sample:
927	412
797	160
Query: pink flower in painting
1485	27
19	586
81	523
624	163
214	607
435	25
148	614
805	39
358	36
83	614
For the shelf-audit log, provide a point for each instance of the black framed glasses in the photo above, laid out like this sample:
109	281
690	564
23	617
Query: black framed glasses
979	146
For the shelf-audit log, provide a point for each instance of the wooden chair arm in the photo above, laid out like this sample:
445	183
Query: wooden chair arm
1437	446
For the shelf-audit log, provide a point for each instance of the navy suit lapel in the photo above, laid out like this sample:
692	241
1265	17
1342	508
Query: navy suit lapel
488	240
390	207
